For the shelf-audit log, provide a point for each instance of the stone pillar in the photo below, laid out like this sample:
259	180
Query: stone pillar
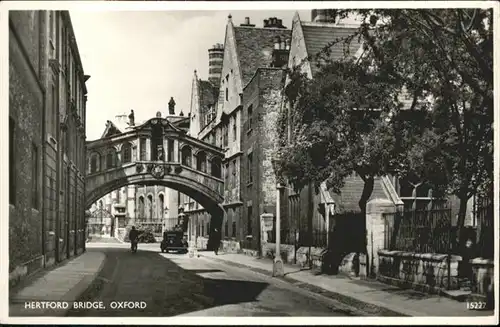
138	150
176	151
266	225
165	149
148	149
376	229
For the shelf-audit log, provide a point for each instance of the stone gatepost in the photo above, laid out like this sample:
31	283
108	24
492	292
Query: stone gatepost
120	223
376	229
266	225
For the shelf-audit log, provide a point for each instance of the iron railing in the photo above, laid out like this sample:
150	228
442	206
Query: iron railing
485	227
420	231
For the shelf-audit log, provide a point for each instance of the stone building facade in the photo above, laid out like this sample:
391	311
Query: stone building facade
47	109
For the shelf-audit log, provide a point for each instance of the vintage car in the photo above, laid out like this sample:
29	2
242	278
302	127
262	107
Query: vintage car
174	241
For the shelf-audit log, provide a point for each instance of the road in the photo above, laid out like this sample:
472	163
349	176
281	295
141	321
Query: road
176	284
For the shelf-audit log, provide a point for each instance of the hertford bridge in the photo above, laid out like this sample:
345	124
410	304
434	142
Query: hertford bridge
157	152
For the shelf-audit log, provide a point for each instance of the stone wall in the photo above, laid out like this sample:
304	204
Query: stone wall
424	271
25	118
429	271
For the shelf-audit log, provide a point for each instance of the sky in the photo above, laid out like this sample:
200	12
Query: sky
139	59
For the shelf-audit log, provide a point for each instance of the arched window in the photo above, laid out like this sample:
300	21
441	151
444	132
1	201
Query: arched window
94	160
141	207
201	161
150	206
110	160
161	206
127	152
216	167
186	156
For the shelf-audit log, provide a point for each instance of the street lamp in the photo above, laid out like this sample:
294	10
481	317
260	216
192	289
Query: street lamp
278	262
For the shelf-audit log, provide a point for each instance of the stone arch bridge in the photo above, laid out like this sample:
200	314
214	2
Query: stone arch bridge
157	152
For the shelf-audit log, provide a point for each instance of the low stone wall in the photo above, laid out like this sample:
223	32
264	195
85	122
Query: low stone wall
299	257
483	276
24	270
230	246
424	271
201	243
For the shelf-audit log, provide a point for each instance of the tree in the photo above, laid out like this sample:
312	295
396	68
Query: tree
442	60
340	123
445	55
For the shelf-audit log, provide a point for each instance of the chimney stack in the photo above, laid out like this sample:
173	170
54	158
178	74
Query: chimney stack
273	22
247	23
215	60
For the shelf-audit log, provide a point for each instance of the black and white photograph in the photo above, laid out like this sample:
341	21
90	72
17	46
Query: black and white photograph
277	162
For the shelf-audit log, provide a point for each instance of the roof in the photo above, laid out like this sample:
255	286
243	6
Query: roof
254	47
318	36
208	93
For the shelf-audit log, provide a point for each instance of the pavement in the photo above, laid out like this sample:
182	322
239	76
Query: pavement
212	285
370	296
57	287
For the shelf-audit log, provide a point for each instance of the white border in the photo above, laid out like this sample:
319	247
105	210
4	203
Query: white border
234	6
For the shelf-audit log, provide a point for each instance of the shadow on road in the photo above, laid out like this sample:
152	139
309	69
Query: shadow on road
165	287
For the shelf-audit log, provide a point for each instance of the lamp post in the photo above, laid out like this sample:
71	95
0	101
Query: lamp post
278	262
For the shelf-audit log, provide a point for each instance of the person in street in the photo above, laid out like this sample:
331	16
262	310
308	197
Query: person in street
216	241
132	236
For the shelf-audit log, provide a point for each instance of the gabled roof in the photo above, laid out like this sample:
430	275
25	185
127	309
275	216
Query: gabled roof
317	36
117	126
255	46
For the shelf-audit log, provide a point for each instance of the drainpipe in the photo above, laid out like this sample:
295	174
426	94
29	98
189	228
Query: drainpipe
43	75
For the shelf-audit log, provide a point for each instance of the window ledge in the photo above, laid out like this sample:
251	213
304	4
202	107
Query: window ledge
249	184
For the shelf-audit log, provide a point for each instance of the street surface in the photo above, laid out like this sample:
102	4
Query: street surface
177	284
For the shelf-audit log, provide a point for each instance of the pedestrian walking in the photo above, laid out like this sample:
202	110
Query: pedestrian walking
133	236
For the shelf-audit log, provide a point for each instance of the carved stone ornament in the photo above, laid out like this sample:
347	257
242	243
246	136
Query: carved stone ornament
158	171
149	167
178	169
139	168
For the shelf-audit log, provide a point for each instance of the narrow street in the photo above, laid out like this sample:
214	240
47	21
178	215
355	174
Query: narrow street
175	284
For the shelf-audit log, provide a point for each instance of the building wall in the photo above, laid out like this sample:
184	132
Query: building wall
46	214
26	50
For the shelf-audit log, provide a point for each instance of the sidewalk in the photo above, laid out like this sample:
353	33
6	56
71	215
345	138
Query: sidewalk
372	297
62	284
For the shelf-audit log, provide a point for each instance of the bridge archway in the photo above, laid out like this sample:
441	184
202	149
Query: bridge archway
160	153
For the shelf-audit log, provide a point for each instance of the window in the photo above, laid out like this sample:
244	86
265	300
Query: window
227	172
34	176
234	130
249	220
202	229
226	229
225	134
93	163
161	205
141	207
201	162
250	167
110	160
118	195
233	232
150	206
208	228
127	152
142	149
227	94
186	156
216	167
250	117
170	145
12	162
